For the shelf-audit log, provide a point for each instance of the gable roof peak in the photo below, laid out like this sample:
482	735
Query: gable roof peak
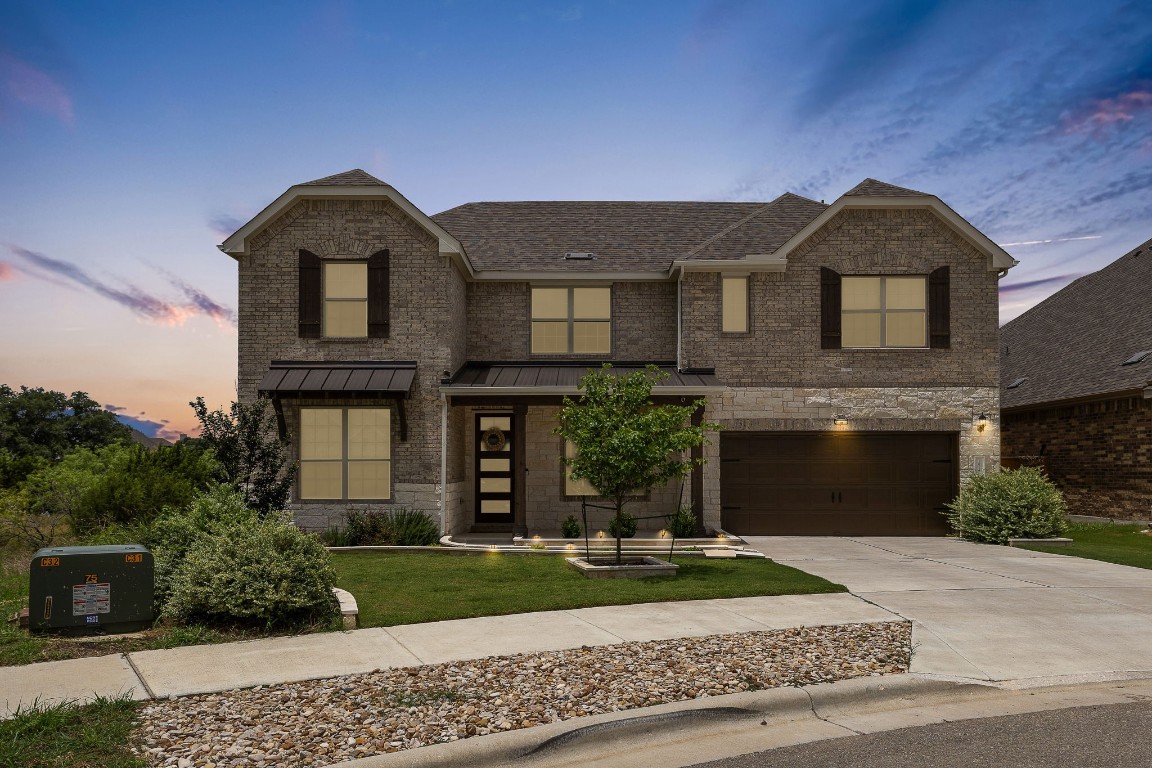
353	178
873	188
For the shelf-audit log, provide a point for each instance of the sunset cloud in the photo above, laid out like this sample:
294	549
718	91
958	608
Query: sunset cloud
144	304
1028	285
7	272
32	88
1103	114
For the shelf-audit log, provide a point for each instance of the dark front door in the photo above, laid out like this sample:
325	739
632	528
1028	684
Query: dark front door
836	483
495	461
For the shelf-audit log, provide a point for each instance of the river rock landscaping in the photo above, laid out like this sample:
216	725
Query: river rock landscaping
321	722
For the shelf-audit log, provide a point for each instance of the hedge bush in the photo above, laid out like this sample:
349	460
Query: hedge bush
570	528
682	523
626	524
1009	504
268	573
395	527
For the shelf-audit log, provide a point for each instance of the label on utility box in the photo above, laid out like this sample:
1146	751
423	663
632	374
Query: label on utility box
88	599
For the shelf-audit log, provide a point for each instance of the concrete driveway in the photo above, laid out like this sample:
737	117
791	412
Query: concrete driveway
988	612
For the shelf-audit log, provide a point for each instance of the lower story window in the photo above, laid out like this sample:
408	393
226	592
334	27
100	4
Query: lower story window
575	487
345	453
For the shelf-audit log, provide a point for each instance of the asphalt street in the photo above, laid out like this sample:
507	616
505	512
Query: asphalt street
1112	736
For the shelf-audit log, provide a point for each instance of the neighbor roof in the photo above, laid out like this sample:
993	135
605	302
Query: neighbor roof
623	236
1074	343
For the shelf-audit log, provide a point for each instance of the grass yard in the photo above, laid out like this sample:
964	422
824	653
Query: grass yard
1121	544
407	588
77	736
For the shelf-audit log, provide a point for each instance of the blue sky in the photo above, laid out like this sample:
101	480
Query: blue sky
135	136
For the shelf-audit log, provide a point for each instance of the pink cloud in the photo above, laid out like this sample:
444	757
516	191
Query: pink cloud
7	272
1102	114
23	83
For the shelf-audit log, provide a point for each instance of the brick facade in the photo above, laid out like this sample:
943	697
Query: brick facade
1099	453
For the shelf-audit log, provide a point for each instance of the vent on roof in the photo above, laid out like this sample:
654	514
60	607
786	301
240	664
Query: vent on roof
1018	382
1137	358
578	256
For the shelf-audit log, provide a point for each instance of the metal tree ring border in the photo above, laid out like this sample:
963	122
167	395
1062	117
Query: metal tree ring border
496	434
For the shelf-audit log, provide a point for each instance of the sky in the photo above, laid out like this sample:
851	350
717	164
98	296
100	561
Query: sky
135	136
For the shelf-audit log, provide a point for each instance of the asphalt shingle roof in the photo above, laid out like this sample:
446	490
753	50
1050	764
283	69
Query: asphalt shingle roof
352	178
1074	343
624	236
873	188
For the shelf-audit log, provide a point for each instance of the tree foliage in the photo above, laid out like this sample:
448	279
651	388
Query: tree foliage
626	445
39	426
252	456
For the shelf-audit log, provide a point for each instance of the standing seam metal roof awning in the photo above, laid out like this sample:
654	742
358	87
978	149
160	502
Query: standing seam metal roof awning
287	378
301	379
563	377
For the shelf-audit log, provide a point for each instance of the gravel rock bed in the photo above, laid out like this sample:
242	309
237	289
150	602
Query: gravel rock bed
321	722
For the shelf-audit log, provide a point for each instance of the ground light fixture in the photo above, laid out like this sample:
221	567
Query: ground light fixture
840	421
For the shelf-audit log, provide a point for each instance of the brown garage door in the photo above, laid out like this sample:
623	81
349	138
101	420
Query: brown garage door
836	483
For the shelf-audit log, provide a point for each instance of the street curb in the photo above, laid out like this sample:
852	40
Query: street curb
780	705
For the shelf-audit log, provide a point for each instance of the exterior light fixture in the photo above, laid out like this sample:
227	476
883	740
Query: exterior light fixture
663	534
536	537
599	534
840	421
981	422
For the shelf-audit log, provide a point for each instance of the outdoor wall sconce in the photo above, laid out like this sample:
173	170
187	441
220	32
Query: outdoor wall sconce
981	422
599	534
840	421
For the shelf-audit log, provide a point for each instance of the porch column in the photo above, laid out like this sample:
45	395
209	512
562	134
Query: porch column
520	471
698	475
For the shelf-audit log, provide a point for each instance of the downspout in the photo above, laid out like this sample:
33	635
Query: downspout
679	320
443	464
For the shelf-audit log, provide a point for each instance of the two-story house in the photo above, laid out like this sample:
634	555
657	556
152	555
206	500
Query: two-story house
849	351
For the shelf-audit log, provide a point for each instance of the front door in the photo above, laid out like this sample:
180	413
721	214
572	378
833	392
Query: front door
495	460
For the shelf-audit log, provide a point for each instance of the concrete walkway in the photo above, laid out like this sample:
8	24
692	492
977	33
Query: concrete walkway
208	668
983	612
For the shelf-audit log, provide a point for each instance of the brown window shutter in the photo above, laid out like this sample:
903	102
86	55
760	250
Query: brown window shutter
829	308
378	295
310	298
939	309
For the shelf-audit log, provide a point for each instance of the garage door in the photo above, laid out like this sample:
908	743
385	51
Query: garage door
836	483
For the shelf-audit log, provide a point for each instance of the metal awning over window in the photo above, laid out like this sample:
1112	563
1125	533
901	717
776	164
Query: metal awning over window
295	379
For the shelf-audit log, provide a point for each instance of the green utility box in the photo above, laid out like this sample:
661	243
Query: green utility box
91	590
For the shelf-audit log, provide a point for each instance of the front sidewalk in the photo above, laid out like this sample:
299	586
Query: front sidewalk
210	668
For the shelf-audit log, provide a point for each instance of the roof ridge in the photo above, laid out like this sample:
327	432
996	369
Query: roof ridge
356	176
870	183
733	227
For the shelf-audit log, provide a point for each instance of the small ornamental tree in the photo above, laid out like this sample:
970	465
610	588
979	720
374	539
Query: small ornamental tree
253	457
626	445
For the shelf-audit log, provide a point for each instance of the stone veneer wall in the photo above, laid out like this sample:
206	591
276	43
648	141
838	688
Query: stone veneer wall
426	314
883	409
1099	454
546	506
643	322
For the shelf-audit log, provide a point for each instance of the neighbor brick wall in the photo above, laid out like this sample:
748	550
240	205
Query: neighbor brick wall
783	345
1099	454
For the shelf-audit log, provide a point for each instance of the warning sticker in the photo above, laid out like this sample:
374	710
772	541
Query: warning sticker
88	599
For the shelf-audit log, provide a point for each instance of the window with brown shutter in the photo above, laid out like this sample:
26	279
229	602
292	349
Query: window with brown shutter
311	299
378	295
939	309
829	308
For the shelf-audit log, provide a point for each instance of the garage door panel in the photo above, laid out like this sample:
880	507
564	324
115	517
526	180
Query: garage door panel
836	483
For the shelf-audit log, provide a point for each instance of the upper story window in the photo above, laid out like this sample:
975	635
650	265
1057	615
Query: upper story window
343	298
885	311
345	454
571	320
734	301
890	311
345	286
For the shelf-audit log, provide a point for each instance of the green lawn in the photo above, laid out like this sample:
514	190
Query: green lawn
1122	544
86	736
407	588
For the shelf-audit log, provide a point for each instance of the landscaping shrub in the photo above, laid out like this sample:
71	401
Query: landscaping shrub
570	528
1017	503
682	523
623	526
268	573
395	527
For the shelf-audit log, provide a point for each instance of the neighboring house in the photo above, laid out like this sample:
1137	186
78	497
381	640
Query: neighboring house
1076	389
847	349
